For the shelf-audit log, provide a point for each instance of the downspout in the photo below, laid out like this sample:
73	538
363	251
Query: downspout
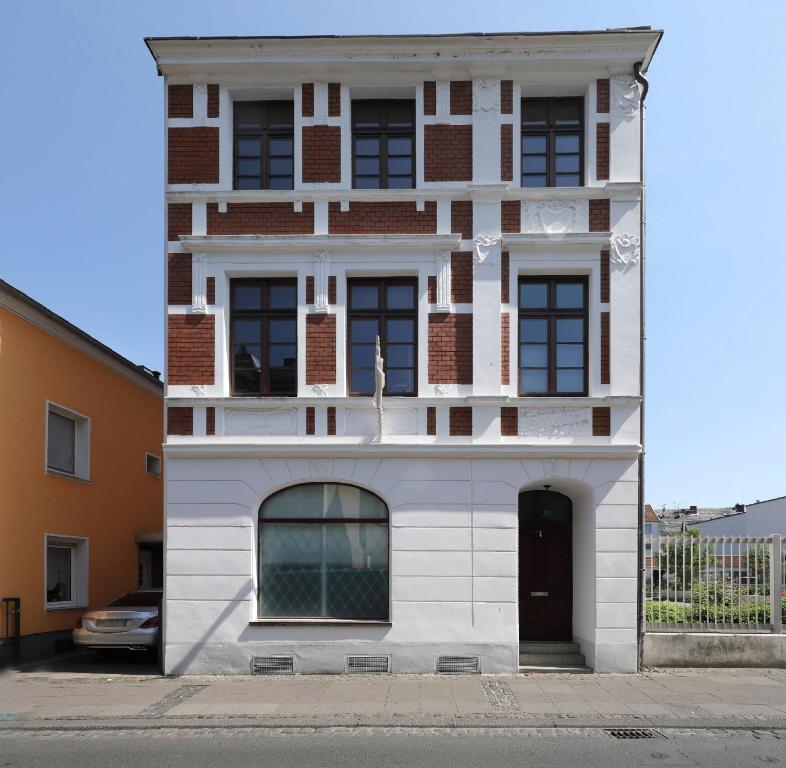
645	86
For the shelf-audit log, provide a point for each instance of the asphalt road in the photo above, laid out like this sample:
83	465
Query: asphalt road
386	748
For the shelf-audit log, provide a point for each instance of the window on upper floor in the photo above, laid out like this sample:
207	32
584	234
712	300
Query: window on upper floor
264	144
553	336
264	336
384	308
67	442
552	141
383	144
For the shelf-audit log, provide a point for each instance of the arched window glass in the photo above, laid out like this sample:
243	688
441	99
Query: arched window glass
544	507
323	553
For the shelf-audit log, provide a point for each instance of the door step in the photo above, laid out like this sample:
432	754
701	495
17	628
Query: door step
557	656
550	668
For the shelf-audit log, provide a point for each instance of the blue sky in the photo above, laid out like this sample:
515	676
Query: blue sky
82	221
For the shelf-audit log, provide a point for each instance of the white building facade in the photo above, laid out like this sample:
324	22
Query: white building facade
476	203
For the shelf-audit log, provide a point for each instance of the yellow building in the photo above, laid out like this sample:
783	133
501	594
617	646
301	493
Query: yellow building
80	476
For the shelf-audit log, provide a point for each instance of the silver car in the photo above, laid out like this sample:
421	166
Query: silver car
131	621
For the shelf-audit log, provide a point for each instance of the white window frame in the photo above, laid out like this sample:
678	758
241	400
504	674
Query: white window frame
82	442
148	456
79	570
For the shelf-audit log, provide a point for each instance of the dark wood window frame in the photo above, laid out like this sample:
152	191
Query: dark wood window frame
383	133
263	315
382	313
551	131
552	314
264	133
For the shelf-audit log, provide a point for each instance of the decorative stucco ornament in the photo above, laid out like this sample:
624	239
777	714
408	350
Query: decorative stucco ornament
321	261
554	422
198	390
319	390
625	250
624	96
441	390
275	421
443	281
379	382
555	216
486	96
486	251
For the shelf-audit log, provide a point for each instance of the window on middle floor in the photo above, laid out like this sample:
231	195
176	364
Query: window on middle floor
383	144
264	336
553	336
264	144
552	139
386	308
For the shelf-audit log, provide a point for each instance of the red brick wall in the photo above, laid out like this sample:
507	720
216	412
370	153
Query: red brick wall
260	219
461	277
211	290
599	216
178	220
432	289
191	349
334	99
509	421
461	97
213	91
320	349
321	153
511	216
181	101
505	277
447	152
601	422
602	88
504	358
193	155
506	91
210	421
180	421
429	98
381	218
310	421
449	348
431	421
605	352
605	283
309	289
179	278
461	422
331	420
506	156
602	151
461	218
307	96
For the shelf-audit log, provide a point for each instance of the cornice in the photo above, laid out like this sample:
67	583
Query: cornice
301	243
190	447
550	240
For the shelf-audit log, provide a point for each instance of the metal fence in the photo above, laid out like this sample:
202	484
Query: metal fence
696	583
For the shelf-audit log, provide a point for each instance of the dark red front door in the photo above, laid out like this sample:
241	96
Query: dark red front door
545	569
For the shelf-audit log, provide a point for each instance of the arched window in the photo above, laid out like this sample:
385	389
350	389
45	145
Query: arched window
323	553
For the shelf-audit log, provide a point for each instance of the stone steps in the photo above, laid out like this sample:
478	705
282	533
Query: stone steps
543	656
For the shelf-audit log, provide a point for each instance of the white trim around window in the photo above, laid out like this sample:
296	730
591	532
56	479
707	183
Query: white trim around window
65	572
61	457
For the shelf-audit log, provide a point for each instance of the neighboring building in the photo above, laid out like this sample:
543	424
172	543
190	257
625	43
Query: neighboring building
675	519
761	518
80	474
475	201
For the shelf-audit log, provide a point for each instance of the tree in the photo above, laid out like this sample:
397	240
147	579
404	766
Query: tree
682	557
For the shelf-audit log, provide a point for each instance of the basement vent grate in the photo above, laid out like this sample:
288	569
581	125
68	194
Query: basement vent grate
634	733
358	665
272	665
458	665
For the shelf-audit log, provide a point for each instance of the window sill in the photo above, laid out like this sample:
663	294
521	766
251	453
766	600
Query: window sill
319	623
51	607
66	475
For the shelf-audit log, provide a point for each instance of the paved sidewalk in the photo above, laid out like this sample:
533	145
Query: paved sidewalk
676	698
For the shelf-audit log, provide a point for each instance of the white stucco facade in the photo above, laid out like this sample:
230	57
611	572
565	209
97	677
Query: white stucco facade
452	500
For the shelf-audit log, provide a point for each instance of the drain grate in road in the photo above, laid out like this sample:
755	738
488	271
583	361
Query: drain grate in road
634	733
178	696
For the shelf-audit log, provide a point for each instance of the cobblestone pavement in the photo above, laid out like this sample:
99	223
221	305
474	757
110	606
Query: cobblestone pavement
748	699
